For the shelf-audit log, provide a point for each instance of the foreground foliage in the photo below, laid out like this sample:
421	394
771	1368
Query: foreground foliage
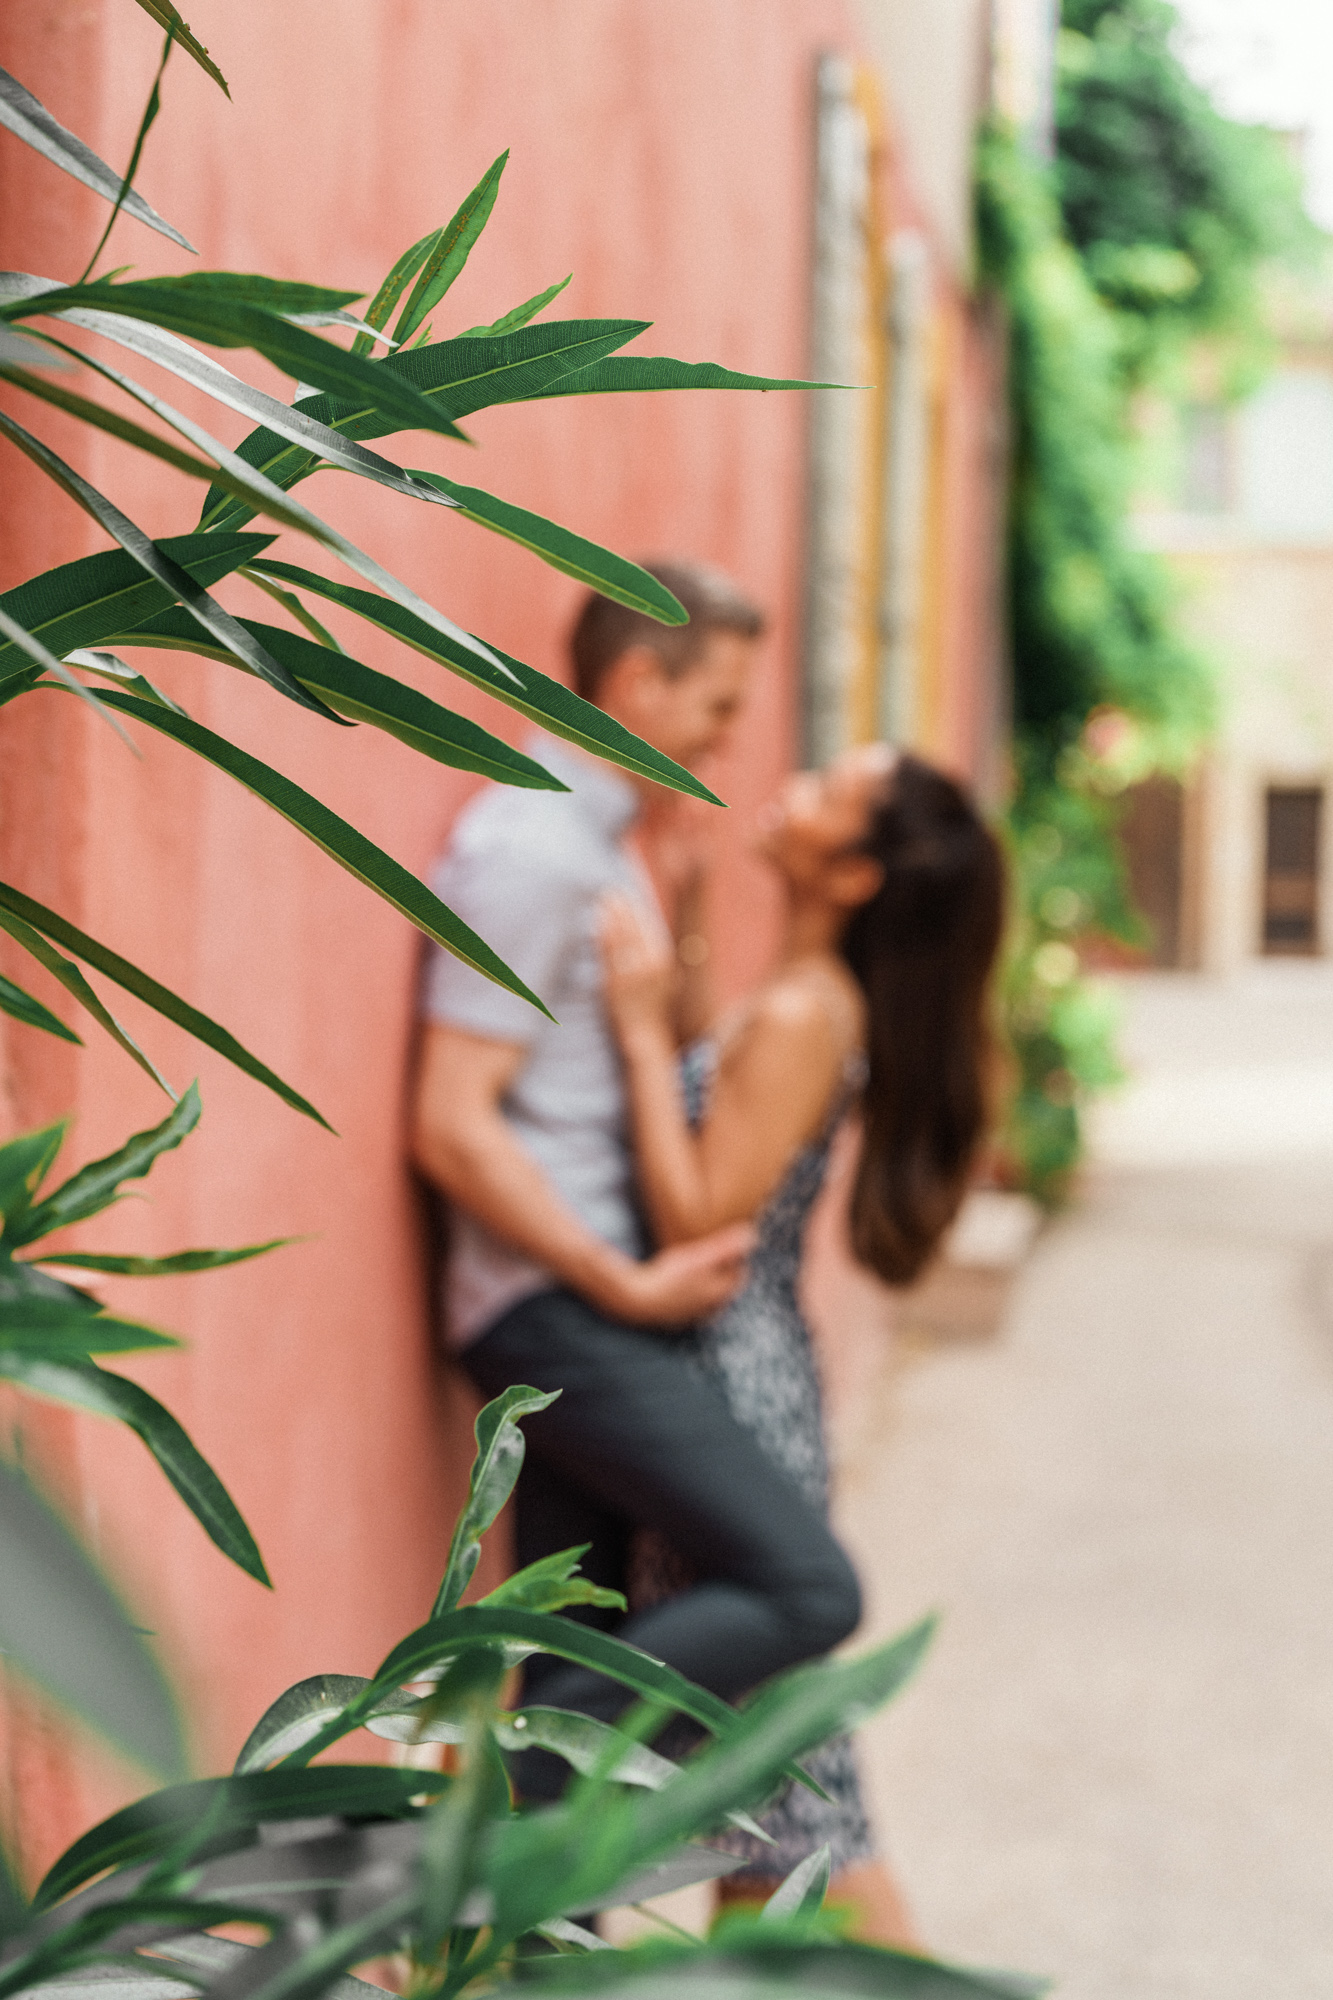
338	1863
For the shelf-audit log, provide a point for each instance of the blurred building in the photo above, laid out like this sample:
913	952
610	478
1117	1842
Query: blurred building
783	190
1239	863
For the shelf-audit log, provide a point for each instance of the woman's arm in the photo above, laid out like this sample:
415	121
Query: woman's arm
770	1096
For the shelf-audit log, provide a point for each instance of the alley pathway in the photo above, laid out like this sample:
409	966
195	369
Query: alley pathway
1117	1766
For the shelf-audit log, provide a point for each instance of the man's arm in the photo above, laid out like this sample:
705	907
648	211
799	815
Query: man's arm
463	1144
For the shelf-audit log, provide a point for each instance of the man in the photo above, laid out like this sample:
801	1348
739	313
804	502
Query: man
523	1125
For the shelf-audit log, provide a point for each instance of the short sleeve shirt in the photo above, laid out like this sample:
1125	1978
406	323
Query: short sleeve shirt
526	870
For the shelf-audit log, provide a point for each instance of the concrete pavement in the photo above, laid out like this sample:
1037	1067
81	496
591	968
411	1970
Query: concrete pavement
1117	1765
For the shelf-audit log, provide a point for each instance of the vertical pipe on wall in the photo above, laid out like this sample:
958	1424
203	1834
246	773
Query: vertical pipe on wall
906	459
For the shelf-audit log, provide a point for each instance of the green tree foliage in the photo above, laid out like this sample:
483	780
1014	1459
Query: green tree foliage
1149	229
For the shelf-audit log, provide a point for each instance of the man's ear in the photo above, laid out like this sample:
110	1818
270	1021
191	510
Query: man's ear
854	879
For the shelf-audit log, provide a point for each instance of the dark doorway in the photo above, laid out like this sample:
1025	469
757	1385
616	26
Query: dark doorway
1152	839
1292	817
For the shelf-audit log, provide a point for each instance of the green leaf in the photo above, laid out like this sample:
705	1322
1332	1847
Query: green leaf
108	668
295	608
30	120
82	603
61	1624
657	371
802	1893
219	308
553	1583
519	316
389	293
167	16
545	701
161	1267
92	1388
24	1165
95	1186
449	252
16	909
756	1961
499	1459
613	575
203	372
46	661
363	695
296	1716
74	982
149	557
237	476
235	1807
22	1007
47	1319
455	376
349	848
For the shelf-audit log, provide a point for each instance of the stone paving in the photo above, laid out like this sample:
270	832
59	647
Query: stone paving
1117	1765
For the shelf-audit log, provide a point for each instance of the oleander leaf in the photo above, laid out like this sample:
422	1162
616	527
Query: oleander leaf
168	16
85	602
97	1185
61	1624
146	553
363	695
389	293
801	1894
620	374
545	701
39	947
89	1387
511	321
349	848
25	918
449	252
161	1267
45	661
232	1809
614	576
238	309
24	1164
498	1461
21	1006
553	1583
456	377
108	668
28	118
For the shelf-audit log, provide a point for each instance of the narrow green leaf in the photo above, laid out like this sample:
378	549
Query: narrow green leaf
755	1961
24	1164
146	124
267	498
161	1267
455	376
299	1713
545	701
167	16
61	1624
149	557
24	911
74	982
363	695
234	1808
802	1893
389	293
95	1186
22	1007
614	576
220	311
13	633
552	1584
108	668
511	321
295	608
349	848
623	373
30	120
38	1332
449	252
89	1387
499	1459
82	603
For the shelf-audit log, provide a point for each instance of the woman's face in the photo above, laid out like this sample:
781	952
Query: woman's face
820	818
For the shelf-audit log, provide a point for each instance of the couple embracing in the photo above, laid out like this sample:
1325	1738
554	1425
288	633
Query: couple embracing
627	1214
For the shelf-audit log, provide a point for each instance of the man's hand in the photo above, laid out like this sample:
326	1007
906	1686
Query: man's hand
686	1283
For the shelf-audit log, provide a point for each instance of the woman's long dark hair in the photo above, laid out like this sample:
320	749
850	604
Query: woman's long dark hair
922	949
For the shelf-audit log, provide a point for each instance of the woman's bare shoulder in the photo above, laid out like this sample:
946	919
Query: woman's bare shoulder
812	1008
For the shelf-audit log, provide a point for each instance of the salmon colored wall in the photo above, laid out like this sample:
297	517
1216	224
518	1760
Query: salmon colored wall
661	154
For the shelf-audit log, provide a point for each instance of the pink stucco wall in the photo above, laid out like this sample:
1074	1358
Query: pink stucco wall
661	154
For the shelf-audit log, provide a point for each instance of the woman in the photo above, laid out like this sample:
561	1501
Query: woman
894	895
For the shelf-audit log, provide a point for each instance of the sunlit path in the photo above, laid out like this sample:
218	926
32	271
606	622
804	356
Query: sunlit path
1118	1766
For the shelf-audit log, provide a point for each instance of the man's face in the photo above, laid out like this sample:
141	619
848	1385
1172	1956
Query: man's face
689	718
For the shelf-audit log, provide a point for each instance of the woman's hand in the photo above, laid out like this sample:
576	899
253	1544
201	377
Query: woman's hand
640	973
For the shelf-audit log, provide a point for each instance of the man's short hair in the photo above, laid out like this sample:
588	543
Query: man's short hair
604	630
